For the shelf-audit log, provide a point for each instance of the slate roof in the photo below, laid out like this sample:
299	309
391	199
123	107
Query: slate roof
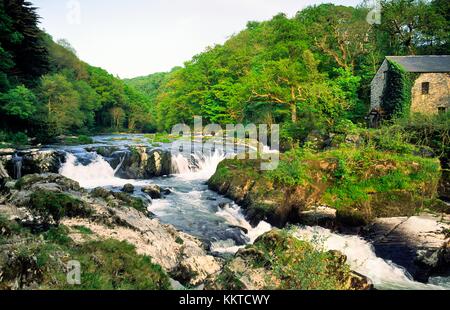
423	64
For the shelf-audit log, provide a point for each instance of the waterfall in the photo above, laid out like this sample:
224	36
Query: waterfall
95	174
17	165
197	166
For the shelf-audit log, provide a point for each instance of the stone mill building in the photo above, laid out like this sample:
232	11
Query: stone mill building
431	88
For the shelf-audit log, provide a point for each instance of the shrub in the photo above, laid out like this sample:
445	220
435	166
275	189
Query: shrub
16	139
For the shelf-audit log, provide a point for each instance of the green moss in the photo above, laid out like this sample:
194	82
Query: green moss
58	235
289	263
179	240
372	181
57	205
228	280
111	264
160	138
84	230
132	202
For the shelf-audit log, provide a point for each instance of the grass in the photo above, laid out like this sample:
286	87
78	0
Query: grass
41	260
158	138
77	140
84	230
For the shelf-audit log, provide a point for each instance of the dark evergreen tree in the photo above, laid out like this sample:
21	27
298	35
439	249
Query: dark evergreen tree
24	42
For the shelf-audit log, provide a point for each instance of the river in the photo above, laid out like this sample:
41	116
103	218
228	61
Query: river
191	207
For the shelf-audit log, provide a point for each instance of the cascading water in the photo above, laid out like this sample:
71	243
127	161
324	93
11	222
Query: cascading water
95	174
197	166
17	162
362	258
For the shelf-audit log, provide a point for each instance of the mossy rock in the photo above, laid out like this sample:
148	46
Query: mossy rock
373	183
64	183
53	205
278	260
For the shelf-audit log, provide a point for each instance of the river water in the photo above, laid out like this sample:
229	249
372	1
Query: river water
191	207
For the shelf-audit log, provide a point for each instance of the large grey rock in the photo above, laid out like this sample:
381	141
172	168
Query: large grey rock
32	161
144	163
4	176
415	243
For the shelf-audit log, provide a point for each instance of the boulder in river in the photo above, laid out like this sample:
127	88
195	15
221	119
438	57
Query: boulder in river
144	163
153	190
128	188
278	260
33	161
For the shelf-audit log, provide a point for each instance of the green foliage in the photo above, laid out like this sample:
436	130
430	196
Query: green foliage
14	138
296	264
58	235
292	170
24	57
81	139
362	172
9	228
84	230
413	27
429	131
19	102
396	99
160	138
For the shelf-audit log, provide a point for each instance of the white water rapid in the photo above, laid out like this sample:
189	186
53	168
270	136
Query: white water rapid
362	259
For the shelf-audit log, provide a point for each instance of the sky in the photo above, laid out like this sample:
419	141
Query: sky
132	38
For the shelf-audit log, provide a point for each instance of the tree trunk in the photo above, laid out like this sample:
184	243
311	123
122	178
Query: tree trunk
294	112
293	106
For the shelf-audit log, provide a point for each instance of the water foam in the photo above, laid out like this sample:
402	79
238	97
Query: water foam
98	173
362	258
197	166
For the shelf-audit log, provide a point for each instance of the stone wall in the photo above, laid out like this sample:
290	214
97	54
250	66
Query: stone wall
437	97
377	86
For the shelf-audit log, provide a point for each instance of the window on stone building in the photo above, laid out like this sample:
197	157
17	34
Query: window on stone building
425	88
442	110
